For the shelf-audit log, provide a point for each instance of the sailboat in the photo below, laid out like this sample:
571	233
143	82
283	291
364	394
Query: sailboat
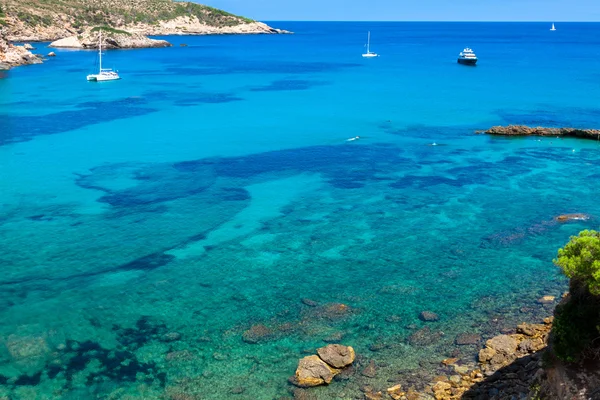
369	53
104	74
553	28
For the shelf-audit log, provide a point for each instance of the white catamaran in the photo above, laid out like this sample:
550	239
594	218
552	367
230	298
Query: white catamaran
369	53
104	74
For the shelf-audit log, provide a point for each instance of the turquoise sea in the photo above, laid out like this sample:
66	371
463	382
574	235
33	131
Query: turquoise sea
192	230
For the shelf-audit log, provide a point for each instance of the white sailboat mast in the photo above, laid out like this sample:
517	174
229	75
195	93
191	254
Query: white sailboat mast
100	50
369	42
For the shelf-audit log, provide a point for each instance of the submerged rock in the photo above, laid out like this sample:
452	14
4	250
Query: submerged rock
467	338
309	302
522	130
337	355
312	371
370	371
546	300
428	316
256	334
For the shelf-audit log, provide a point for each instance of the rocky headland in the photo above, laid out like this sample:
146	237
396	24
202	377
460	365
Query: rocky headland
11	56
74	24
111	39
30	20
522	130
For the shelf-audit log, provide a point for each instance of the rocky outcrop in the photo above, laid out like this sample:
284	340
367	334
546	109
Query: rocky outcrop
12	56
522	130
312	371
508	366
336	355
110	40
320	369
572	217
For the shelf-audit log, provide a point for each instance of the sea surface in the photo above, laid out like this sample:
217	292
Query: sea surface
193	230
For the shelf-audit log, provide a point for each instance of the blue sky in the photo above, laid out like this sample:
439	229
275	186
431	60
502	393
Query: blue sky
413	10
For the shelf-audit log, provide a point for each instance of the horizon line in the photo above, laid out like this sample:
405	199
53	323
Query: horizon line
451	21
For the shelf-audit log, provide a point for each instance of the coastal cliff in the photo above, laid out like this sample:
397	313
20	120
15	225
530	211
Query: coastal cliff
32	20
11	56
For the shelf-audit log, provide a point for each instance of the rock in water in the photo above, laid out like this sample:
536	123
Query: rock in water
28	46
428	316
52	54
572	217
312	371
256	334
467	338
336	355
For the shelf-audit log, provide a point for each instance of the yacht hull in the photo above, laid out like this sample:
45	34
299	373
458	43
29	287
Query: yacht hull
101	78
467	62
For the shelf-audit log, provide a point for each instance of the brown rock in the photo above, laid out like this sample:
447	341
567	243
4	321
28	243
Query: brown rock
502	344
467	338
336	355
395	392
449	361
370	370
428	316
572	217
312	371
546	300
532	329
486	354
373	395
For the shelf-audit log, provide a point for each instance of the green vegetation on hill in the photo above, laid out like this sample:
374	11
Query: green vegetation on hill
108	29
2	17
576	327
115	12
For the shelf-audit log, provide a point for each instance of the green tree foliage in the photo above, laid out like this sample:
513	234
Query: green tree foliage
580	260
576	325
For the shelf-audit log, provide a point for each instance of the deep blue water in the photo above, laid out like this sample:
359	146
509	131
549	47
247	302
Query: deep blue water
158	234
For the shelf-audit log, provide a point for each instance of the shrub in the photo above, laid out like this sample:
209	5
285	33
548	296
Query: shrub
577	318
580	259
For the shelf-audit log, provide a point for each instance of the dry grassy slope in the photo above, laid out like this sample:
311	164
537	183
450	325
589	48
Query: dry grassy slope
116	13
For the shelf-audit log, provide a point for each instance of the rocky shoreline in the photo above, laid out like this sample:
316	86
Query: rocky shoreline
509	366
522	130
112	40
21	32
12	56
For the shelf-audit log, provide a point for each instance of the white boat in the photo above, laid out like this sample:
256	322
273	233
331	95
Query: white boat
553	28
467	57
369	53
104	74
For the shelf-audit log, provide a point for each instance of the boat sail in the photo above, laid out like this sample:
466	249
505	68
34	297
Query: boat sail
553	28
104	74
369	53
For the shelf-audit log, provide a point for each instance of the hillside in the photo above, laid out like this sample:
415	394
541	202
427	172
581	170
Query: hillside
42	20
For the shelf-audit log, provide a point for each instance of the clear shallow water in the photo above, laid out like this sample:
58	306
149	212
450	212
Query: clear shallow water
148	226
